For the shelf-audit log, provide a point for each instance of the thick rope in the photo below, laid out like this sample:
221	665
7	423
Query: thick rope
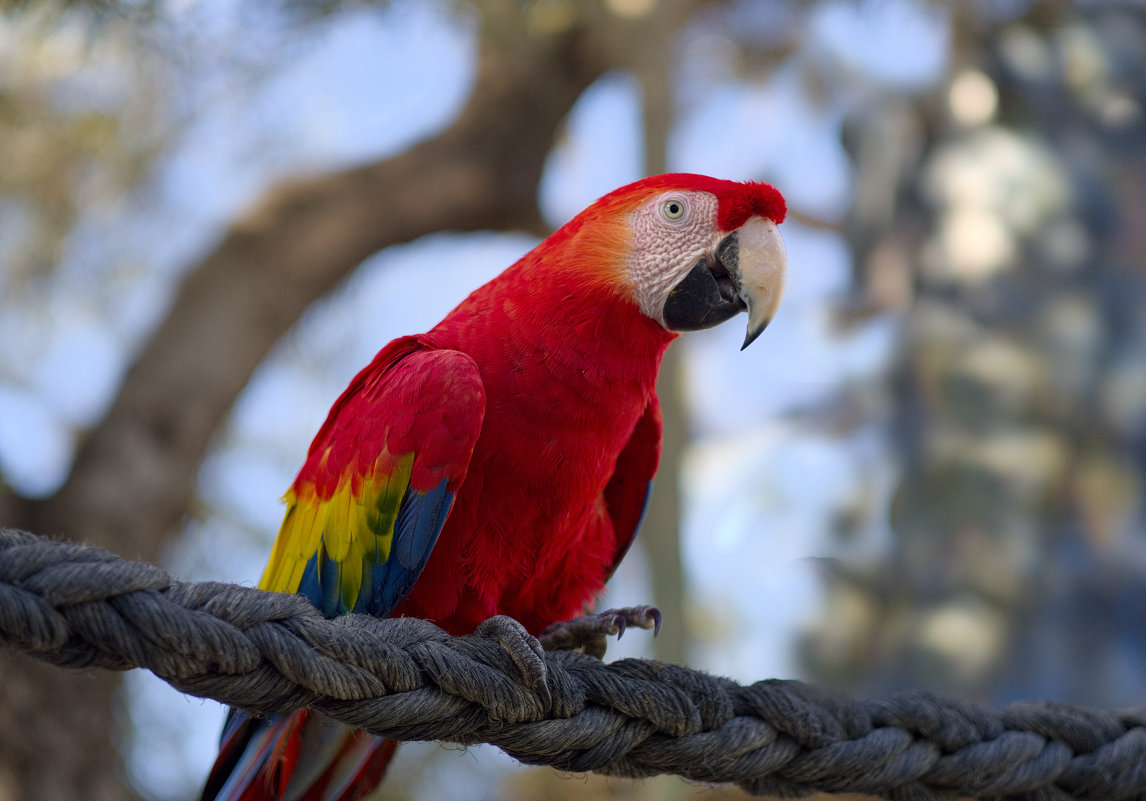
80	607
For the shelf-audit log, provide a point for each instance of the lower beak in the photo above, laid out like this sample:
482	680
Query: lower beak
746	273
763	273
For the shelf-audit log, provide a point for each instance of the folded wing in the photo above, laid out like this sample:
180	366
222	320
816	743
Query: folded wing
362	518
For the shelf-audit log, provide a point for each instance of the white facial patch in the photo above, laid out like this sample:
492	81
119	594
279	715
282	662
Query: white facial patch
665	246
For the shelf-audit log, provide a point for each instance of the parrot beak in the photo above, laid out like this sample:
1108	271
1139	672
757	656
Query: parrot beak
746	273
763	273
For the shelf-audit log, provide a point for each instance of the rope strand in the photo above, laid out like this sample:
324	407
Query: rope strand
78	606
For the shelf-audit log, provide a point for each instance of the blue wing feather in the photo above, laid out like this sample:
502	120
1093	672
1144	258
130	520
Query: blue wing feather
311	586
420	521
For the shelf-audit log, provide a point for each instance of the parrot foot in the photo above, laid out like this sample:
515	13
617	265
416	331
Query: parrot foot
525	651
588	632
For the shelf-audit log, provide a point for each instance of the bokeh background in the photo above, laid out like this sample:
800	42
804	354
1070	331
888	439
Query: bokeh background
928	473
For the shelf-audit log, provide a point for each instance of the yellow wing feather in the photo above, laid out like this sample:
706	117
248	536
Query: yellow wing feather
355	530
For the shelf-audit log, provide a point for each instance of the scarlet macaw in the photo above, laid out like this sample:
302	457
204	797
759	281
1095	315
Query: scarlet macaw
500	463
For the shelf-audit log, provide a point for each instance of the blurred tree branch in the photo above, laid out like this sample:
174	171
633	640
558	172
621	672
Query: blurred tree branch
135	472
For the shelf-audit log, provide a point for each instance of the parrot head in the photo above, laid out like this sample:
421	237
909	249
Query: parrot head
701	250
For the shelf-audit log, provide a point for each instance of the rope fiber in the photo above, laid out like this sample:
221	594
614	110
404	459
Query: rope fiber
82	607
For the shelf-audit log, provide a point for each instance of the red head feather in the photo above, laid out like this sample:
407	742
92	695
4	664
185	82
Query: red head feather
738	200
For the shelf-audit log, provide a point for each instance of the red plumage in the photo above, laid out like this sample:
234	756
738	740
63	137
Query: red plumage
565	401
524	426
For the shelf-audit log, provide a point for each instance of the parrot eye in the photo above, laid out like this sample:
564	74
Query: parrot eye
673	209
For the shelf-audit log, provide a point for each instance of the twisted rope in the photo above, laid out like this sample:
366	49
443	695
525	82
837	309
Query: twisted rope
405	679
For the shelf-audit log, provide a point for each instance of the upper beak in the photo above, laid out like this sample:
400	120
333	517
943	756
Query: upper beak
746	272
763	273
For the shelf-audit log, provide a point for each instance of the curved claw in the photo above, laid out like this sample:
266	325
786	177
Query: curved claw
658	619
588	633
645	617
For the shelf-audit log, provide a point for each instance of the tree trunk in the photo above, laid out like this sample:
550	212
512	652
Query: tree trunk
661	532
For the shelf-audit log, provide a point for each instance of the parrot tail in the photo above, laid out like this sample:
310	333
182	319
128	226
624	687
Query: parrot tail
304	756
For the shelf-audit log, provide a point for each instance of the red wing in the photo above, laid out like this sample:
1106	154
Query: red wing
627	493
362	518
379	481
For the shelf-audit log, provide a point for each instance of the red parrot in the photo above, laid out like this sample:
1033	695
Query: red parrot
500	463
